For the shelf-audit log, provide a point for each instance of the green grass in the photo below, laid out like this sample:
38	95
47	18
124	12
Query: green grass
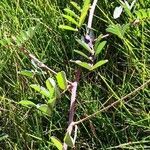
125	126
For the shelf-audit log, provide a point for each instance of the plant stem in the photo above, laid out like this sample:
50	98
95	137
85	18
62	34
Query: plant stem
71	110
91	14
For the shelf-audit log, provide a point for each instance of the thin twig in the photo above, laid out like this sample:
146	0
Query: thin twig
38	62
113	104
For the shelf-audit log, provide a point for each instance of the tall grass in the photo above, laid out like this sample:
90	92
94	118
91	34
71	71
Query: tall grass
125	126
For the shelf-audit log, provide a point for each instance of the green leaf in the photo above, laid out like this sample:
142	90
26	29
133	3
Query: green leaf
54	92
26	73
45	109
84	12
75	5
24	36
82	64
71	13
41	90
100	47
85	46
98	40
70	19
61	80
27	103
57	143
69	140
82	54
51	85
117	29
65	27
98	64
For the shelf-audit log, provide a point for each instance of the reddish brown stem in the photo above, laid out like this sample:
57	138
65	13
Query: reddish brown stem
71	110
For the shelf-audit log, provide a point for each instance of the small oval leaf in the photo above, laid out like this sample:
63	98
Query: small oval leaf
69	140
84	12
71	13
27	103
57	143
53	89
61	80
70	19
100	47
65	27
85	46
75	5
51	85
26	73
41	90
82	64
45	109
82	54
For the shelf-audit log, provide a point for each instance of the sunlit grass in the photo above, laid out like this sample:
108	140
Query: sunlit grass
124	126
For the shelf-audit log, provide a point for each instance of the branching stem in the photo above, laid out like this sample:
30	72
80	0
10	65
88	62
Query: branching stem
38	62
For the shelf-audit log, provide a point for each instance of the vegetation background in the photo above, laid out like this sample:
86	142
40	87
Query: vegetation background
125	126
